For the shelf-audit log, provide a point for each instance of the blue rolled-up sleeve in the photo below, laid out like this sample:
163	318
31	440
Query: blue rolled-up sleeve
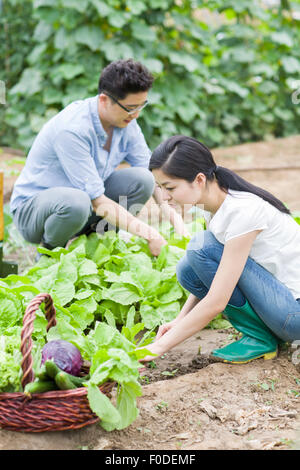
73	153
137	150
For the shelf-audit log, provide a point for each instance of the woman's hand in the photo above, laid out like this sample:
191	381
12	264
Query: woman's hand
153	348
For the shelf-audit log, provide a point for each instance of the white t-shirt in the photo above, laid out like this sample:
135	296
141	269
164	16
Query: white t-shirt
276	248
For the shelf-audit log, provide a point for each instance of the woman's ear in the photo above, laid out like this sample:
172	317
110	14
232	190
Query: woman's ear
200	179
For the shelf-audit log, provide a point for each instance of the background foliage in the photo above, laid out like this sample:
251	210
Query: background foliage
225	80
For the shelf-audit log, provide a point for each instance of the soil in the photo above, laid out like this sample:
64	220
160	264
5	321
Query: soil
190	402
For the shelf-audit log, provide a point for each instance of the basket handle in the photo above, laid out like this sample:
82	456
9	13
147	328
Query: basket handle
27	330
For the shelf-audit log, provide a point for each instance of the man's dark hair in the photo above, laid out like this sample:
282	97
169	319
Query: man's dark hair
122	77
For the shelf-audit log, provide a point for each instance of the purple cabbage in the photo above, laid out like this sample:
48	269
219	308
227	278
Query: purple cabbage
65	355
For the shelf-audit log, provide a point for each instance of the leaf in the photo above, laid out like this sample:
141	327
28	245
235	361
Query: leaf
150	316
15	280
64	40
154	65
284	114
213	89
167	312
265	386
187	111
169	292
107	336
235	88
290	64
83	294
10	309
90	36
163	4
69	71
52	95
114	50
83	312
141	31
101	255
62	291
169	256
262	68
67	268
64	330
42	31
102	8
242	55
119	311
126	403
42	3
117	19
230	122
92	279
215	135
125	294
87	267
130	318
149	280
136	6
125	277
74	4
187	61
36	53
27	292
110	318
282	38
29	84
134	261
219	322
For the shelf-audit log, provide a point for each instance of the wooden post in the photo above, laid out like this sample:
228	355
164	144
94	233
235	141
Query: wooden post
6	267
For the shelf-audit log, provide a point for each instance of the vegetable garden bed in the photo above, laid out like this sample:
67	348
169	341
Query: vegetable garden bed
105	291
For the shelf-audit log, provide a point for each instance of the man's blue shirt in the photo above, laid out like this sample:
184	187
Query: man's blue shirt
68	151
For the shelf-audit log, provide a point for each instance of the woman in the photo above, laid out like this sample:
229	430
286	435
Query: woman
246	264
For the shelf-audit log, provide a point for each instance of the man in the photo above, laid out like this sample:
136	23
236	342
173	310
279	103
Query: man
69	183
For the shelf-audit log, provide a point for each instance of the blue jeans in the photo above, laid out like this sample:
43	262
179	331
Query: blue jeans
269	298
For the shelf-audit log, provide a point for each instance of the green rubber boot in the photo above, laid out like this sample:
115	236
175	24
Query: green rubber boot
257	340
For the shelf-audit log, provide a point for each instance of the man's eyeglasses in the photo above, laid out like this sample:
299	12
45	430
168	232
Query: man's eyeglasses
129	111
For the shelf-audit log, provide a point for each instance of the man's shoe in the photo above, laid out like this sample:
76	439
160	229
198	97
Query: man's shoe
93	229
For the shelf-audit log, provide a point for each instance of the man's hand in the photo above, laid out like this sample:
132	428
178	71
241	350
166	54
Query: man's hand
120	217
170	214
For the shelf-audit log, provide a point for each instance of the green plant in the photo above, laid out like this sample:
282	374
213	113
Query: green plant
163	405
224	80
171	373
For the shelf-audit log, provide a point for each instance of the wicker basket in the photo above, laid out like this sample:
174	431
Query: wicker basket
50	411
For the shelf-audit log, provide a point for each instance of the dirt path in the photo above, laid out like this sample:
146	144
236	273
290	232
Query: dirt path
265	159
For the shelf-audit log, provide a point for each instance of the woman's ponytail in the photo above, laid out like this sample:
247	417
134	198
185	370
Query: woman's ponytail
228	179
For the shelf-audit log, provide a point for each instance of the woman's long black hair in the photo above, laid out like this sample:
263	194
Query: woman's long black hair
184	157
